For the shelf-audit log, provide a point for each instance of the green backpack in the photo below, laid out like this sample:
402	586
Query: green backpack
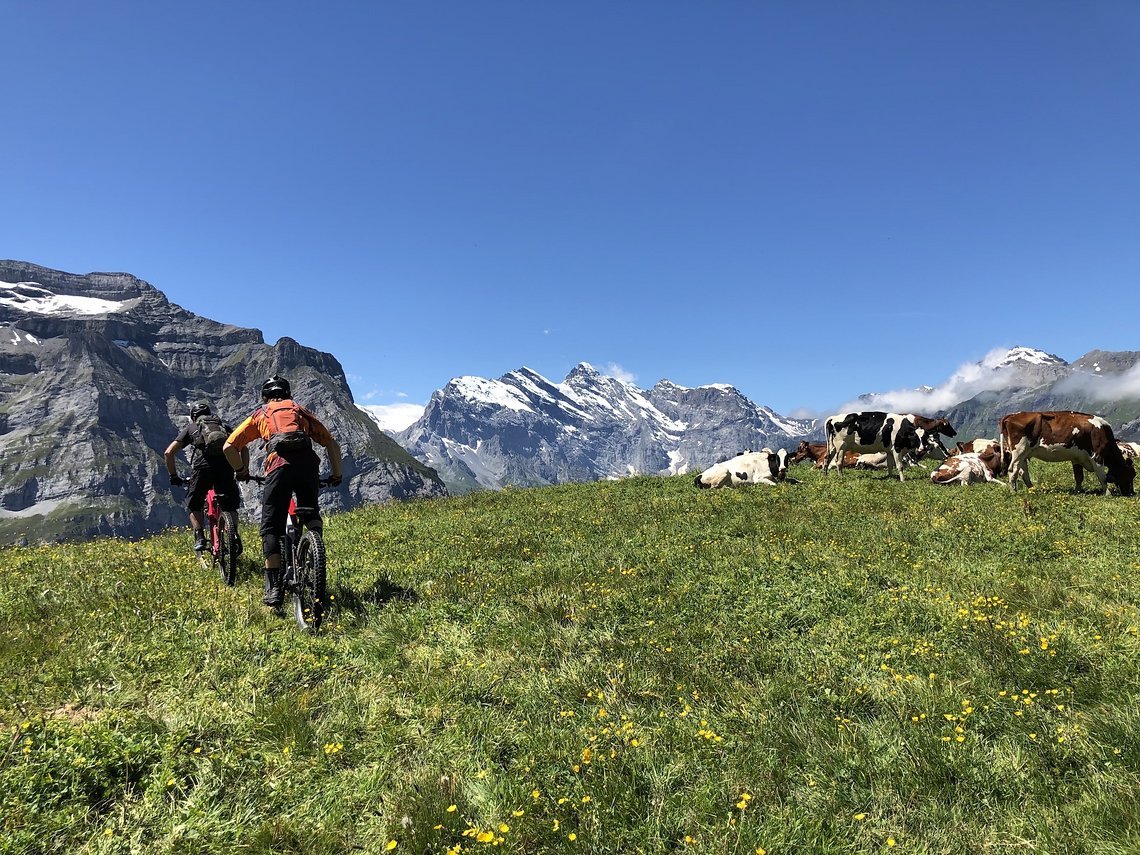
210	435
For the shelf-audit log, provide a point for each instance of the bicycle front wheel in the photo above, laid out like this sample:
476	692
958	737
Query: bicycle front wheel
310	595
228	547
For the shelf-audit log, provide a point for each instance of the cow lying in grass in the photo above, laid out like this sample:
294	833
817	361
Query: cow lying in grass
749	467
970	467
817	453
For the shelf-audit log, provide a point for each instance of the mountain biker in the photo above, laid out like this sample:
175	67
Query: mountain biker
291	466
205	436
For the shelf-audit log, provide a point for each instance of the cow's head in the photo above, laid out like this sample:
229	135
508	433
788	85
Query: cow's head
778	461
1124	476
930	445
942	426
803	451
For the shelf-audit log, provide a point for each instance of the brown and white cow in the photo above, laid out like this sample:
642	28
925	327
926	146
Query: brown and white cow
977	446
969	467
1130	450
897	434
749	467
816	452
879	460
1083	439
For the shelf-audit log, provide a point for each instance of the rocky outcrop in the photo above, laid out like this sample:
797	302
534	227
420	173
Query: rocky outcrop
96	376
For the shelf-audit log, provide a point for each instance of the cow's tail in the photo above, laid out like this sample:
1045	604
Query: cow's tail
1001	447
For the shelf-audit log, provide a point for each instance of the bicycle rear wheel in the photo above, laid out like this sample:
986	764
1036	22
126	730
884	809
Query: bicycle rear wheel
310	595
228	547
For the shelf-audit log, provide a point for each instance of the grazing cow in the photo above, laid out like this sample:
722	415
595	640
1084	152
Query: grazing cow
749	467
1084	440
967	467
897	434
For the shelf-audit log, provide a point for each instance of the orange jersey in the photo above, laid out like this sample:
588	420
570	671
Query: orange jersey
257	427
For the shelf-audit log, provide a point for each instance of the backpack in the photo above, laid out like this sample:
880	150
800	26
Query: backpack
210	435
289	429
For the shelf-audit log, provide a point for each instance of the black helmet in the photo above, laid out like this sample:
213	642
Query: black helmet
275	387
199	408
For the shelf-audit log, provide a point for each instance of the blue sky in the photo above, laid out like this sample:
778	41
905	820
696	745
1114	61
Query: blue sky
806	200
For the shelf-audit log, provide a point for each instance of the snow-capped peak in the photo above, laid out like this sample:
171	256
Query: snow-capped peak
1020	354
483	391
32	297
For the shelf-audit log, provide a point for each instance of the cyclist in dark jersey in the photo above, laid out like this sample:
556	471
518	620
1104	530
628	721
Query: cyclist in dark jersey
207	468
291	466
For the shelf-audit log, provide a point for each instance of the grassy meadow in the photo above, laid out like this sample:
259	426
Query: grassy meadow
845	665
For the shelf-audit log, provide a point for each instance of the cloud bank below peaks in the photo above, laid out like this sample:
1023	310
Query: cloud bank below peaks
1000	369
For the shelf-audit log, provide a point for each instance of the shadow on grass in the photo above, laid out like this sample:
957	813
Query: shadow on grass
382	593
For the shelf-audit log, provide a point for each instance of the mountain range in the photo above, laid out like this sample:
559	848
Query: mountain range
97	373
524	429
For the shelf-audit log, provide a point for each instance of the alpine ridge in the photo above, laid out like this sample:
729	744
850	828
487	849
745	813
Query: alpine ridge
523	429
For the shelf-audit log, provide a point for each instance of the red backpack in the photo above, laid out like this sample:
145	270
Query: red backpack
288	427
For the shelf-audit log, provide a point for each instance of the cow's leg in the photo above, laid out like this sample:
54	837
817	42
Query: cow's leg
1078	475
832	454
895	459
1019	466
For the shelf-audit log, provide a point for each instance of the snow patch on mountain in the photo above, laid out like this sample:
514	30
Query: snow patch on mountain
31	297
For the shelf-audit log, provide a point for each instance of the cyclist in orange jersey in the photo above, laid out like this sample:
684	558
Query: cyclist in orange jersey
291	467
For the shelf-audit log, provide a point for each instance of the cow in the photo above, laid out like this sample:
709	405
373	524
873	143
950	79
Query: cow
1083	439
817	453
749	467
977	446
1130	450
878	460
897	434
933	428
967	467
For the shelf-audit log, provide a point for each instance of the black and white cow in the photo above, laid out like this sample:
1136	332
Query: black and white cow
896	434
749	467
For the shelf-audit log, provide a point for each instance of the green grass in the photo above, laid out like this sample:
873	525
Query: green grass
844	665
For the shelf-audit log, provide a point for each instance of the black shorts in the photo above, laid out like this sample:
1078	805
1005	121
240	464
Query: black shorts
281	484
221	478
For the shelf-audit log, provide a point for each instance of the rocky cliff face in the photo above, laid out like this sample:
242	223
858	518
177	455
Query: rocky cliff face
96	376
523	429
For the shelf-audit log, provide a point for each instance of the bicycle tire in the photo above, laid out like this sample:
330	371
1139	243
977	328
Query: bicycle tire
310	594
227	547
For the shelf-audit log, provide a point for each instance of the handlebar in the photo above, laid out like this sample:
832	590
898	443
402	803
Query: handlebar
260	479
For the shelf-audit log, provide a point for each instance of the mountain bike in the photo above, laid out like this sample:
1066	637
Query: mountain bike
303	562
223	543
222	539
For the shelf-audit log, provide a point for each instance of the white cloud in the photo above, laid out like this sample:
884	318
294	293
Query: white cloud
1104	387
804	413
394	417
618	373
991	374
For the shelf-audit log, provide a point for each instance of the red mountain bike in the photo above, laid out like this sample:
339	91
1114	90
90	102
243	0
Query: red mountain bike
222	538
